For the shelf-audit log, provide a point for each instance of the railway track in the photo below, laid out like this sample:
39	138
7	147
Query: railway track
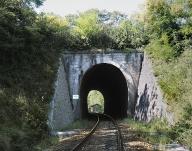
96	139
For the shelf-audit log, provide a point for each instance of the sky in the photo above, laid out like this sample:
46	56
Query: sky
65	7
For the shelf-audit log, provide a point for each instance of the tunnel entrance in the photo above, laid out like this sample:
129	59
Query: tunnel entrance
110	81
95	102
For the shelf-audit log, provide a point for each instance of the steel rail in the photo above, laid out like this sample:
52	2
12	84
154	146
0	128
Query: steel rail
120	146
78	146
119	137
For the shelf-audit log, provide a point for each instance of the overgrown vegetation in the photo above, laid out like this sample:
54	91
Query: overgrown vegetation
27	64
156	131
169	24
30	45
182	131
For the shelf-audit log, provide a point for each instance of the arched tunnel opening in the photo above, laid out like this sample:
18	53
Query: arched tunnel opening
110	81
95	102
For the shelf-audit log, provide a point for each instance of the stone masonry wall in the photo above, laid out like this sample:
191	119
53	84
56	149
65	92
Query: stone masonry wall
76	64
61	113
150	102
145	100
64	108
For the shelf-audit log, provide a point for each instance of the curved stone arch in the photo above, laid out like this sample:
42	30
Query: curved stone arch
120	82
127	74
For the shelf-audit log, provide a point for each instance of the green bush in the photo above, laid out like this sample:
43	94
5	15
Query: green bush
160	49
175	79
182	131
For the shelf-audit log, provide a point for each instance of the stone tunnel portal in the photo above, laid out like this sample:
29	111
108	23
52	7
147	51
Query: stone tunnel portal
110	81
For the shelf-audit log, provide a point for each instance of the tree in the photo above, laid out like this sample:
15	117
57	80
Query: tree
37	3
159	17
87	26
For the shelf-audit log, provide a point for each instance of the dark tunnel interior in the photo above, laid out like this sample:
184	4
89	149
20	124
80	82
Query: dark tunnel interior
110	81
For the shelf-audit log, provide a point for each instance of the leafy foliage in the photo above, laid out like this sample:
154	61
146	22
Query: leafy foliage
27	64
182	131
169	24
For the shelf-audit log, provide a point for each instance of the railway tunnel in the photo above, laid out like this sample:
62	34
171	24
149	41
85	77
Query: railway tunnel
110	81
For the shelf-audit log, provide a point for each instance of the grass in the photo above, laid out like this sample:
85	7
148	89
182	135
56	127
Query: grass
46	143
156	131
50	141
79	124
